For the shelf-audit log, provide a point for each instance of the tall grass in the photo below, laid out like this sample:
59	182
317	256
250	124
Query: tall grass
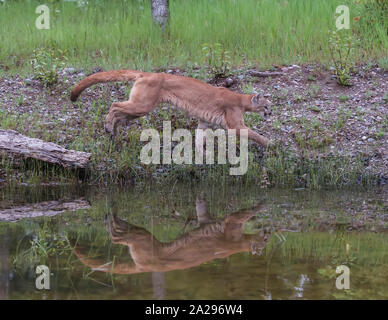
120	33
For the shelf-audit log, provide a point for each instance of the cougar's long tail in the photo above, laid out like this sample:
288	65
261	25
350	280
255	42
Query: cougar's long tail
108	76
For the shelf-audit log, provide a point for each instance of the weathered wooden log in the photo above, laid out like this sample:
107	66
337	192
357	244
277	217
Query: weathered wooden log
46	208
12	142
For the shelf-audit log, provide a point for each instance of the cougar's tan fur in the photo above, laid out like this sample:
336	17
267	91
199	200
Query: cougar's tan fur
211	105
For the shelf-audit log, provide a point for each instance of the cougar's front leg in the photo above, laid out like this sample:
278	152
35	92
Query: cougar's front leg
253	135
234	120
258	138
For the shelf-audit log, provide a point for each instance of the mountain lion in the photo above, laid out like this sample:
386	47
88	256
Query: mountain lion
211	105
210	240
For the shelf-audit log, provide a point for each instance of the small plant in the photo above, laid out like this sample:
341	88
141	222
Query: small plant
343	98
20	100
369	94
314	90
253	119
298	98
247	88
43	245
380	134
46	63
283	94
217	58
383	63
341	46
385	98
315	109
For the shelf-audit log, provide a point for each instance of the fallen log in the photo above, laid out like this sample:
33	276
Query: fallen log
46	208
12	142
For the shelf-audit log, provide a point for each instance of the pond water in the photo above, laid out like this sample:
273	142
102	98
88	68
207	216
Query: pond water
193	242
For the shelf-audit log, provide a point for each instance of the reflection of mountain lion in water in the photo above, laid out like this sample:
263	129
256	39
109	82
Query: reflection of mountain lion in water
209	241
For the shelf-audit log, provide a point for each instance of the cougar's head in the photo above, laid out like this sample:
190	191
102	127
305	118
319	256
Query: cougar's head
261	104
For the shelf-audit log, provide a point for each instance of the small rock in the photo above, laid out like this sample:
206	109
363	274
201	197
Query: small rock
69	70
229	82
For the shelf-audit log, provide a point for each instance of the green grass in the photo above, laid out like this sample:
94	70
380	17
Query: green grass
121	34
319	246
385	98
343	98
383	63
118	161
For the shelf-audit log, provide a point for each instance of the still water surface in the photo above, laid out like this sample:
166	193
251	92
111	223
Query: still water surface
185	242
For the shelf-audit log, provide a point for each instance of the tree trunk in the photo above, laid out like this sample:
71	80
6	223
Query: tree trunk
160	13
14	143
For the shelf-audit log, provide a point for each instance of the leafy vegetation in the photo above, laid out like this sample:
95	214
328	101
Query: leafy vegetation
217	58
46	64
341	47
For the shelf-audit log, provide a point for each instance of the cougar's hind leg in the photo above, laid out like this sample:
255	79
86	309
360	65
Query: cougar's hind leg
143	99
120	112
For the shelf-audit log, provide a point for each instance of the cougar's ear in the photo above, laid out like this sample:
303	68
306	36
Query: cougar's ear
256	98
